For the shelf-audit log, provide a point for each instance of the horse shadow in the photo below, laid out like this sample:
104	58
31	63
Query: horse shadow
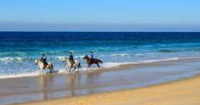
52	72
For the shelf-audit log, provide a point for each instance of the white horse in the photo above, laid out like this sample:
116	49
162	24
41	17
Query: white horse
76	65
41	66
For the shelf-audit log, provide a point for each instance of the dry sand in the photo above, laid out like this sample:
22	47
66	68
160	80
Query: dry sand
182	92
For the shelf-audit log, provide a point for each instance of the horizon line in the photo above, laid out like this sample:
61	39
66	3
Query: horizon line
114	31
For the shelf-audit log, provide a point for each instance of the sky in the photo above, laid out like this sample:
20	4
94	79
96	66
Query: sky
100	15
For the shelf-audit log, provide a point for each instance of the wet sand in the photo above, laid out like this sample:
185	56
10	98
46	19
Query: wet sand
20	90
184	92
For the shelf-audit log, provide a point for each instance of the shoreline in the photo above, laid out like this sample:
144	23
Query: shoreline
104	69
171	93
50	87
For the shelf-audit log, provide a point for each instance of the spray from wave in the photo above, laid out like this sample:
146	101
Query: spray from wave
84	69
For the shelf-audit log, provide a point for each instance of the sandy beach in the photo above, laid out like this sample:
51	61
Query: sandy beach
184	92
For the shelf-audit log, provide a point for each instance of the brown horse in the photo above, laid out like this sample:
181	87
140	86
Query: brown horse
92	61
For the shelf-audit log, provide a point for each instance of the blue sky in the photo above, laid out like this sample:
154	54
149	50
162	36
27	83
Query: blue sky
99	15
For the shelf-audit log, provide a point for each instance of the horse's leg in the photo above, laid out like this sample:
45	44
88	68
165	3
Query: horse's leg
50	69
67	68
42	72
78	67
89	66
98	65
74	68
70	69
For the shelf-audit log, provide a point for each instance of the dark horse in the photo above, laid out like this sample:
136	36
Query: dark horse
92	61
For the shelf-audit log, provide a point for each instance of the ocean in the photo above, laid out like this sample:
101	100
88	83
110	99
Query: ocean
18	50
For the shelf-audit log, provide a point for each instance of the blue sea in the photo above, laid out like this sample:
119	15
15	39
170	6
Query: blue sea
18	50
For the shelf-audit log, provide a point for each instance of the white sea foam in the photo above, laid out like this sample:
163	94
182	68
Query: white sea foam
59	57
31	74
18	59
9	59
122	55
14	59
19	75
84	69
152	61
114	64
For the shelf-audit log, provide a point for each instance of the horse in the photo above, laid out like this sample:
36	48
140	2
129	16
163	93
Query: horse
92	61
76	65
42	67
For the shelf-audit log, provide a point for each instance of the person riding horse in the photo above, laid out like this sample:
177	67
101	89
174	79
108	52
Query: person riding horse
71	59
91	56
44	60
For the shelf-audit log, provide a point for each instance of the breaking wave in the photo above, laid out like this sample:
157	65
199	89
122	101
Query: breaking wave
84	69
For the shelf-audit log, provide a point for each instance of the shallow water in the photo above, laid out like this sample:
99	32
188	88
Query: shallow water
27	89
18	50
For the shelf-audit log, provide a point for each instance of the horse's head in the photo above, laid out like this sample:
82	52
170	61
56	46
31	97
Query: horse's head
64	59
85	57
36	61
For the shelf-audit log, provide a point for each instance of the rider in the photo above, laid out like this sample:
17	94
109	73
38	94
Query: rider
91	55
71	58
44	60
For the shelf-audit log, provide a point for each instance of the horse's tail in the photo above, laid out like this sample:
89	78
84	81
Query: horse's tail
79	65
100	61
52	67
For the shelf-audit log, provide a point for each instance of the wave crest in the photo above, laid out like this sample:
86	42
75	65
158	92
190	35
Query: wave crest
84	69
122	55
15	59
